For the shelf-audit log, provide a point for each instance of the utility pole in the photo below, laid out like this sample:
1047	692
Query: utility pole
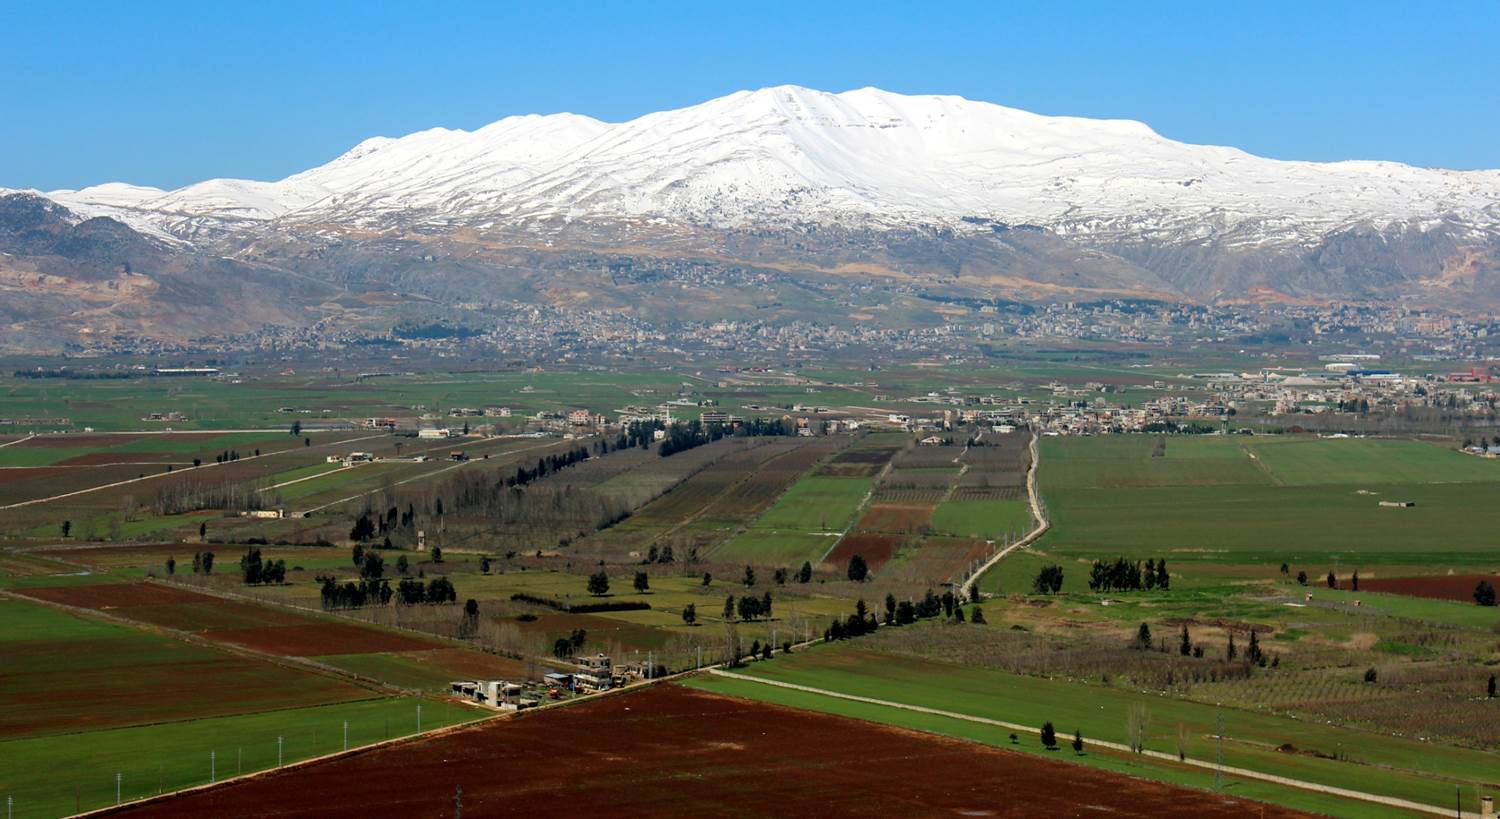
419	718
213	772
458	802
239	756
1218	750
346	735
278	752
118	778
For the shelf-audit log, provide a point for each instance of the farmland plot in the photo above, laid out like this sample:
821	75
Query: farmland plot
677	752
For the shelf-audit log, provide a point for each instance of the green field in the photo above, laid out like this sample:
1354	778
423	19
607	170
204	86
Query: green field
58	775
799	525
816	504
1297	500
988	519
1403	768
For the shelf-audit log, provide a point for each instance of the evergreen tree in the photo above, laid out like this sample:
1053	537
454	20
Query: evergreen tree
1049	736
858	571
1077	741
642	582
804	574
598	584
690	613
1484	593
1187	643
1143	637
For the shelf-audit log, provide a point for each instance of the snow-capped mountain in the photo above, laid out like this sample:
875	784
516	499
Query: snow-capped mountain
793	156
740	208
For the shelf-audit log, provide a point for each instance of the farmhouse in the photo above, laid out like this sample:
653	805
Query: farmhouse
593	674
493	693
1398	504
434	433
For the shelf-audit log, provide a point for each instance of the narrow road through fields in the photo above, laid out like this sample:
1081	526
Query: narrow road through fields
859	512
177	472
1038	513
1244	773
423	476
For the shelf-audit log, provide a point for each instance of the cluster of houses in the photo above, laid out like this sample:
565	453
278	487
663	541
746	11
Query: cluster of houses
591	674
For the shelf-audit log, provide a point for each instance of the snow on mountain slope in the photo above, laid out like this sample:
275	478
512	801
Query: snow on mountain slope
789	155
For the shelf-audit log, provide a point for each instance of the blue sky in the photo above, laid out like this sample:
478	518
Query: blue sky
165	94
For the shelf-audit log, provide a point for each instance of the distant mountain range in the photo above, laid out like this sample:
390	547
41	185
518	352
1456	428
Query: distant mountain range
932	190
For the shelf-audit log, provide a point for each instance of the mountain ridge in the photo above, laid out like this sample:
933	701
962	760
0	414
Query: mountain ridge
776	190
790	154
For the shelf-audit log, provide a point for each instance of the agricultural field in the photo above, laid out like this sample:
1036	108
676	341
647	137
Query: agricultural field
675	752
85	694
1263	537
571	543
1112	495
1306	751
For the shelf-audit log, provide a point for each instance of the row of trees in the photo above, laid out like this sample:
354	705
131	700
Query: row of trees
682	437
749	607
1125	575
353	595
192	495
373	591
901	613
203	563
546	466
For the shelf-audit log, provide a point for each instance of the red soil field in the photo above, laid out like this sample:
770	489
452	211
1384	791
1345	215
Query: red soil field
98	458
877	550
27	473
896	517
117	595
317	638
1437	587
81	440
673	752
262	628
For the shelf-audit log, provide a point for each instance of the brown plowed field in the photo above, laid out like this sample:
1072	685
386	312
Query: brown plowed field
1437	587
896	517
262	628
117	595
312	639
673	752
101	458
84	440
28	473
877	550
